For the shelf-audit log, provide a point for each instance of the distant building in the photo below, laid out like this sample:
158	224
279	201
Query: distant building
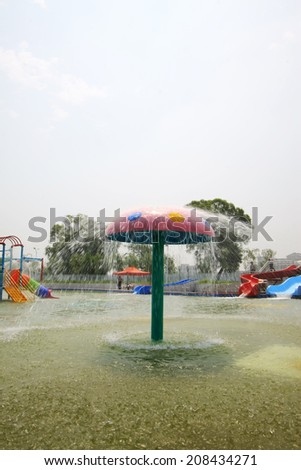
294	258
279	263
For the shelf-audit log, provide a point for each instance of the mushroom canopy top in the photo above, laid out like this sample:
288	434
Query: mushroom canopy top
174	226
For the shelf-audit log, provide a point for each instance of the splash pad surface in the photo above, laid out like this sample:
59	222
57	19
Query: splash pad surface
80	373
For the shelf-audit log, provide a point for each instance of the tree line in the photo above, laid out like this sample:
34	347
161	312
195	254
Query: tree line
78	247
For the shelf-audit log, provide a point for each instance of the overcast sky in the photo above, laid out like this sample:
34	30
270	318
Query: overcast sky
124	103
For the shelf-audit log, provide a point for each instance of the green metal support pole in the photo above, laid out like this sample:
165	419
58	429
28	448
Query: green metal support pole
157	286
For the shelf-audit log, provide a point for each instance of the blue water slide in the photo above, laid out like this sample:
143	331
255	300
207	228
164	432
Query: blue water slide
177	283
147	289
290	287
144	290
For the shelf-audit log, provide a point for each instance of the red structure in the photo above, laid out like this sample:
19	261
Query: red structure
131	271
15	241
18	286
254	285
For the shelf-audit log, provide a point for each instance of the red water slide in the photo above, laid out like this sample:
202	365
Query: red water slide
252	285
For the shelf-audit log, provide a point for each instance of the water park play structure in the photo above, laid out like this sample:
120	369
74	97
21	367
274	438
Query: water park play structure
19	286
281	283
160	227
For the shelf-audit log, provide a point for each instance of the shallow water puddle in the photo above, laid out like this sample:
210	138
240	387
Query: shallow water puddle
277	359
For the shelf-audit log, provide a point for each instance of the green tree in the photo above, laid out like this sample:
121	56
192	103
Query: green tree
76	247
248	256
222	207
261	258
232	229
266	255
140	256
118	262
169	264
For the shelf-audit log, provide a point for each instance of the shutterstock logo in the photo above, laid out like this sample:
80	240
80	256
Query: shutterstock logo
84	228
258	228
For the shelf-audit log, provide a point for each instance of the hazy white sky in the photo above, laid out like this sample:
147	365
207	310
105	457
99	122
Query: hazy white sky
124	103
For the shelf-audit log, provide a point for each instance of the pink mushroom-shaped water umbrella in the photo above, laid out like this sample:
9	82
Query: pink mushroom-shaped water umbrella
159	227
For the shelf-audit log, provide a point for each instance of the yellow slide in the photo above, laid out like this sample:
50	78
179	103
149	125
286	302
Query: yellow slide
15	294
14	290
